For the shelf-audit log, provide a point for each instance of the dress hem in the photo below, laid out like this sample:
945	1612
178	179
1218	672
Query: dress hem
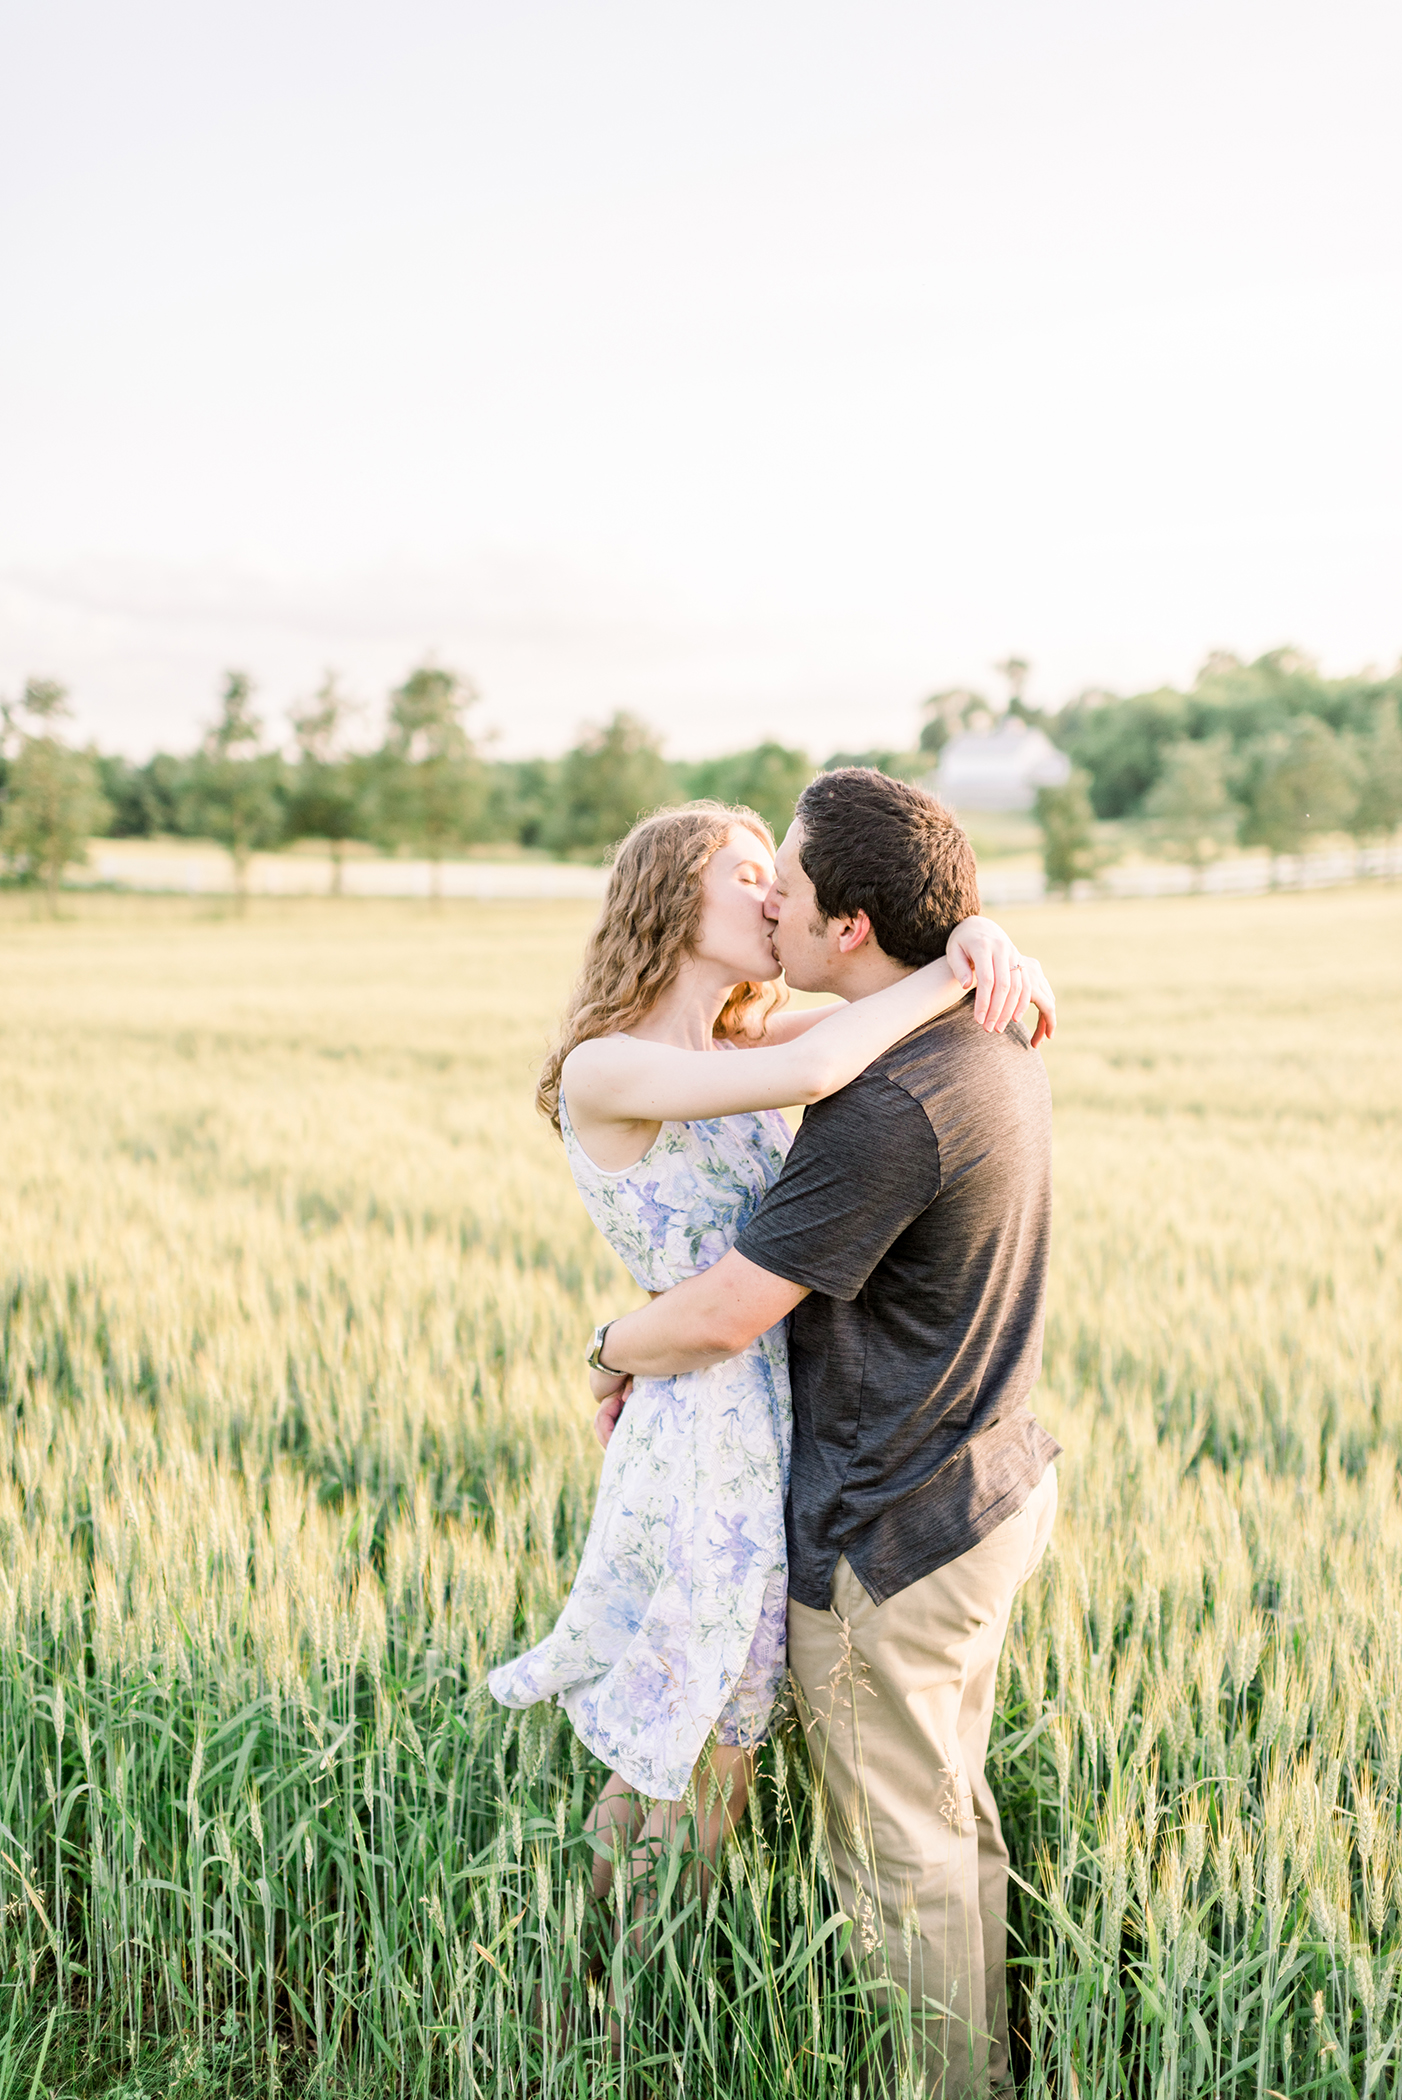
631	1770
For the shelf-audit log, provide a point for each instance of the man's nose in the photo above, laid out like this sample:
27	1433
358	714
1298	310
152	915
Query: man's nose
770	906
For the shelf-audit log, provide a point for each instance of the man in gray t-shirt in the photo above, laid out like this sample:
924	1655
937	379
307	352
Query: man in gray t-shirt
907	1236
914	1209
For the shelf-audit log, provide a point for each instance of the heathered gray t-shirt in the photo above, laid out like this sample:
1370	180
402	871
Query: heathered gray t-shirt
916	1206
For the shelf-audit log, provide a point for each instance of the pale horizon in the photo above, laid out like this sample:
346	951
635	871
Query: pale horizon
759	372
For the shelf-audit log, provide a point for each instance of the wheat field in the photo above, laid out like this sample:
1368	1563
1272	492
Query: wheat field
294	1290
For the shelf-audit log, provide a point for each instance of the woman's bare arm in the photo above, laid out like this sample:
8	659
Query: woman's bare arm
787	1027
981	954
620	1079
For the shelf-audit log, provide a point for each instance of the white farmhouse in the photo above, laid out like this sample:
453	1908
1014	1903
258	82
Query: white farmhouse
998	767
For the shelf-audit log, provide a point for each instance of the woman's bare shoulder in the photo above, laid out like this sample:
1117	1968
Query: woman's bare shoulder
595	1060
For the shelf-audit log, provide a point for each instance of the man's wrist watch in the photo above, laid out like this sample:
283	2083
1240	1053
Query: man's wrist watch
595	1358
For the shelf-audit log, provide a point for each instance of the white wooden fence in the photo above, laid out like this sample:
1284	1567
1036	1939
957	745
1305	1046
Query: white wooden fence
205	871
1241	875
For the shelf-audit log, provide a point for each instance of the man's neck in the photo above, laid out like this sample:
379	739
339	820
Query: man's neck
868	971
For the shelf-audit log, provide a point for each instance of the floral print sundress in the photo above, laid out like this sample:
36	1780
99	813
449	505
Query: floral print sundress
675	1625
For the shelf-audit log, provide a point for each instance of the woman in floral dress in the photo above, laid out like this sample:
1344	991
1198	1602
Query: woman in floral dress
666	1086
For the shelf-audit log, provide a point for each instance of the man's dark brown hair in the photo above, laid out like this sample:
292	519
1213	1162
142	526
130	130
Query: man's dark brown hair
884	847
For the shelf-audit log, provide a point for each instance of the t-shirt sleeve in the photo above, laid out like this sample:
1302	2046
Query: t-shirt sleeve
864	1165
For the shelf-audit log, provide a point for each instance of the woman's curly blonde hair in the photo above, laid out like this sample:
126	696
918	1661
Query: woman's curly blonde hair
649	923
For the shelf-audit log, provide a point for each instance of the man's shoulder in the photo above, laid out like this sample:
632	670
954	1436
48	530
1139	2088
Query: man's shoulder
876	1091
952	1054
874	1117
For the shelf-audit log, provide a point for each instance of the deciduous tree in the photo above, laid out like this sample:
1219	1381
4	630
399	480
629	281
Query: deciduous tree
1377	808
768	779
1189	813
521	794
328	787
233	793
610	779
53	803
1069	849
1297	785
946	713
429	786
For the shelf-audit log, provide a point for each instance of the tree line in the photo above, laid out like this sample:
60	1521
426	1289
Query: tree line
426	786
1268	753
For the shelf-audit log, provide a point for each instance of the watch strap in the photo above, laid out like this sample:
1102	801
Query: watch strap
596	1354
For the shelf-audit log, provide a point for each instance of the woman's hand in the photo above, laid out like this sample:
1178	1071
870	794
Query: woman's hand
978	949
1008	983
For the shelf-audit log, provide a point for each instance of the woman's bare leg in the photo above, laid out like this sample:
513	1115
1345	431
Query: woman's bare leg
722	1783
617	1814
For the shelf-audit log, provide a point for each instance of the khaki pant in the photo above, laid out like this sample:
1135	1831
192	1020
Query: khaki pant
897	1700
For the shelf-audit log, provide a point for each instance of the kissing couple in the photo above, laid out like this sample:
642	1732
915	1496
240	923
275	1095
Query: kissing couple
865	1299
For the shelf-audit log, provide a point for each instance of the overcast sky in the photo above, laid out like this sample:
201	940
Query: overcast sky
759	367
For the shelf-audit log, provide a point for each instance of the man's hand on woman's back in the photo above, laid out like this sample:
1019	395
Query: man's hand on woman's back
611	1405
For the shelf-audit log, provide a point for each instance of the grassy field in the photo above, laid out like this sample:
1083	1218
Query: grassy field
294	1288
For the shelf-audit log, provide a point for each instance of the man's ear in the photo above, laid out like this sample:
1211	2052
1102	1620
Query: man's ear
854	932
